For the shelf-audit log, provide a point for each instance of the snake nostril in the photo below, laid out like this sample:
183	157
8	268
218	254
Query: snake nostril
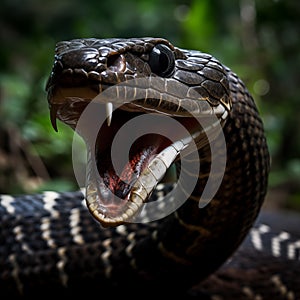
116	63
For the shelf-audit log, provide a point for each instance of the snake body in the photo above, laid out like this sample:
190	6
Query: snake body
53	244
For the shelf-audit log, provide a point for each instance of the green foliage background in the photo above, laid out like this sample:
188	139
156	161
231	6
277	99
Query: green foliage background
259	40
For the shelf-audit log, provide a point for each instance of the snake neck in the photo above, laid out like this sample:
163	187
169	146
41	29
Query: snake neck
196	239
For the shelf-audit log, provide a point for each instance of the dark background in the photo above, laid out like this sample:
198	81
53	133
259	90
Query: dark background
259	40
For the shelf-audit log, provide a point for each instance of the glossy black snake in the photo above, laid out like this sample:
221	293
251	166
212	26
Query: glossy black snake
52	245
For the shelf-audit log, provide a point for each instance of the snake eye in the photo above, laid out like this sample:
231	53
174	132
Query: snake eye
162	60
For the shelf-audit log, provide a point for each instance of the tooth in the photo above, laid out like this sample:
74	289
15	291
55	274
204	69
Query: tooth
53	114
109	111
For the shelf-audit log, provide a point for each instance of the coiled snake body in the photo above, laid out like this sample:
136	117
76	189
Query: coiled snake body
51	244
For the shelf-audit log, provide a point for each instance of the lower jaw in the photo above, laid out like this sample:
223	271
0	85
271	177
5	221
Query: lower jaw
114	210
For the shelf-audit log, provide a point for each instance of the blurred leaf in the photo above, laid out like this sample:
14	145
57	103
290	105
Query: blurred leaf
199	26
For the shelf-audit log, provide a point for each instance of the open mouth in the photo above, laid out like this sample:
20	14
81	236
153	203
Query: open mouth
122	174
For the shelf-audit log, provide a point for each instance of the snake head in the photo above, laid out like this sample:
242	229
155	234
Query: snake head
119	80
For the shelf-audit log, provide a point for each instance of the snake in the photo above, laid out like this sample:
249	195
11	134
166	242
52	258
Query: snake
169	203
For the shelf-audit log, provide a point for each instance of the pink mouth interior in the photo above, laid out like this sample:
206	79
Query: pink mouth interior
114	189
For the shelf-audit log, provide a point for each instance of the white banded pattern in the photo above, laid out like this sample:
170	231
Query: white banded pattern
278	243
